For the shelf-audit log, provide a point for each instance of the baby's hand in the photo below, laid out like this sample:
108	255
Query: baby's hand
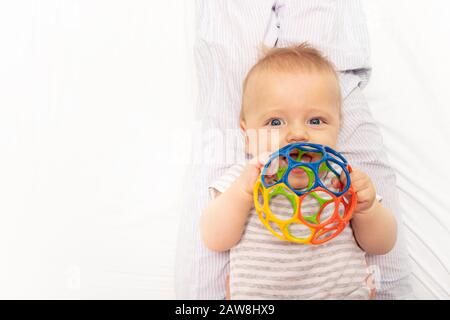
364	189
251	172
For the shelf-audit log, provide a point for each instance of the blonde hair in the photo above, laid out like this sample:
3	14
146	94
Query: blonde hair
302	57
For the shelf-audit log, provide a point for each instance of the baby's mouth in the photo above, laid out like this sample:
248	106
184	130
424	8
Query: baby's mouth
298	172
305	157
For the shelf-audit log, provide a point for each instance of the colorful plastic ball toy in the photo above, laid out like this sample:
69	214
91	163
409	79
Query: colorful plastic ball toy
300	197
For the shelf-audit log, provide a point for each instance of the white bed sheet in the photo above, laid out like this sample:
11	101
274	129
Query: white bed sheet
409	97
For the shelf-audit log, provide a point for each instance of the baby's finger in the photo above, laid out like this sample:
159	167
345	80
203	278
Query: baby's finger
365	195
263	158
259	160
273	167
343	178
356	175
337	182
360	185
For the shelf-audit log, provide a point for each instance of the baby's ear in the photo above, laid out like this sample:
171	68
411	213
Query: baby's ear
243	126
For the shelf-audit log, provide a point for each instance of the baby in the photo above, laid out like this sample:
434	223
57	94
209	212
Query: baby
293	92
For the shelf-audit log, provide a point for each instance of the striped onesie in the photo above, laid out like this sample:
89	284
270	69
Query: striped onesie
264	267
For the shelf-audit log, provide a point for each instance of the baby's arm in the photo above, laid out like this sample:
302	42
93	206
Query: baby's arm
223	220
374	226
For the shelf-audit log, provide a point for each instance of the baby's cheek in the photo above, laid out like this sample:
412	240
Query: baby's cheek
263	141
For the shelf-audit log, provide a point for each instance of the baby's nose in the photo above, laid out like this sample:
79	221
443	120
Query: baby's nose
298	134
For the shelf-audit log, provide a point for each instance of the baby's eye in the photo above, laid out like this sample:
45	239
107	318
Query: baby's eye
315	121
275	122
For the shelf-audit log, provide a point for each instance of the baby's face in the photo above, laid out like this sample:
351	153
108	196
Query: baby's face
283	108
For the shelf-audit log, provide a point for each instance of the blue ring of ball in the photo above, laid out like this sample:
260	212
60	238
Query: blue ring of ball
314	166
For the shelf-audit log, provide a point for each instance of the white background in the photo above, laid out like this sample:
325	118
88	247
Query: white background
91	93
